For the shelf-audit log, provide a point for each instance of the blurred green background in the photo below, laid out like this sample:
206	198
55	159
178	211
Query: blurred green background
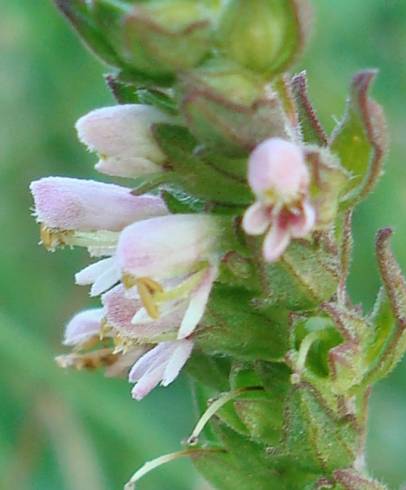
79	431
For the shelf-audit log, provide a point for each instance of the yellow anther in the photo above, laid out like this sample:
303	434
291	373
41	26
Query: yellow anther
147	298
152	285
52	238
105	330
181	291
128	281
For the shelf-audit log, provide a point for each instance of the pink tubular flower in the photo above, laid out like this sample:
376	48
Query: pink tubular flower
83	327
123	138
162	365
170	263
86	205
279	177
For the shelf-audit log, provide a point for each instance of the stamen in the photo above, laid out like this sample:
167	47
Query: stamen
147	299
151	465
91	360
152	285
51	238
183	289
215	407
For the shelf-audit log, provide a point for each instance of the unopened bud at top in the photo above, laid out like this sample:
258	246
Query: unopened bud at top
163	37
263	35
122	136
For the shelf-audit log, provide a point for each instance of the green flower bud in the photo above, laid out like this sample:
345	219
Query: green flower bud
163	37
262	35
230	108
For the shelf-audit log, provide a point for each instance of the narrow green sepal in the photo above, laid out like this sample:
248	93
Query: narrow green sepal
311	128
123	92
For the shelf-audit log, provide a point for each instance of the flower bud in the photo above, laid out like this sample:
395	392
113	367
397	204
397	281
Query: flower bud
122	136
164	37
262	35
86	205
232	109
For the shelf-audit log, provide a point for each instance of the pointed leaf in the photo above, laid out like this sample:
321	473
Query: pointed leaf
361	139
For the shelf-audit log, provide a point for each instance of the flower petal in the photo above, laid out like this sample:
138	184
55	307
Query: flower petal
147	383
119	309
275	243
197	304
303	225
256	219
157	356
83	326
177	361
86	205
167	246
103	275
277	165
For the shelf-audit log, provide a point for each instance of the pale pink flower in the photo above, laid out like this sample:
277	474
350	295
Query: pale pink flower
120	310
122	136
171	262
161	365
86	205
280	179
83	326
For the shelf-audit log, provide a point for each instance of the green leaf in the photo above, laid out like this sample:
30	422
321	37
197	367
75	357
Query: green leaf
388	344
232	327
80	16
194	174
361	140
123	92
305	276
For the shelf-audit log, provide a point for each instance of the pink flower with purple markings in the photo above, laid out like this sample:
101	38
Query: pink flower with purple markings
280	179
